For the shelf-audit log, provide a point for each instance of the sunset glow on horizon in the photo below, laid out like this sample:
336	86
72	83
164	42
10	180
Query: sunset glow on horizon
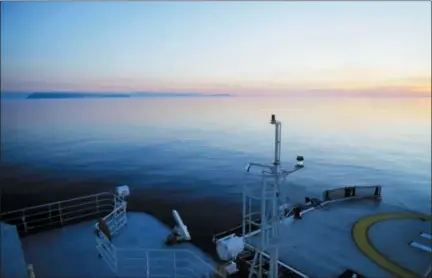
241	48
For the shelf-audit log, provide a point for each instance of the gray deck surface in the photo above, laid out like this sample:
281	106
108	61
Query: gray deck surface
71	252
392	239
12	262
321	244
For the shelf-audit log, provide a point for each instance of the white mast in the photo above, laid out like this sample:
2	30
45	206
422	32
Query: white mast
270	213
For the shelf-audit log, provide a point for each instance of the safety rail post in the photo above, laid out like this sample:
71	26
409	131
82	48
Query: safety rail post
124	213
23	218
115	220
60	213
49	210
97	203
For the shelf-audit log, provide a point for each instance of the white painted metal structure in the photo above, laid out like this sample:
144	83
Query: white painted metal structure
185	263
115	220
270	213
61	212
124	260
181	229
298	248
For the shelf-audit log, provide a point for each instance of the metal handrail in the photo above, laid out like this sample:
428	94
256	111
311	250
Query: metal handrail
45	215
31	218
106	248
178	256
114	255
62	201
106	251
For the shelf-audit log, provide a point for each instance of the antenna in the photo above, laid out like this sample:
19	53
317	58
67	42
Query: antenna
270	214
278	132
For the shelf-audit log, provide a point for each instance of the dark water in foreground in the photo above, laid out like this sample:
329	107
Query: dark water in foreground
189	154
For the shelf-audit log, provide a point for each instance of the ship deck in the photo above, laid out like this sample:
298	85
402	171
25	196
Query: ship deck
70	251
365	236
12	263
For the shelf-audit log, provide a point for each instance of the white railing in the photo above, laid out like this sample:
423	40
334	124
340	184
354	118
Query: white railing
154	262
164	263
150	262
107	251
115	220
182	263
60	213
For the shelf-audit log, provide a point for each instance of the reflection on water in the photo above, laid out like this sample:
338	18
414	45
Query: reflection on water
171	149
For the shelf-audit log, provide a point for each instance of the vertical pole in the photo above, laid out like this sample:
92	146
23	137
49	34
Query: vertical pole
60	214
115	220
273	260
278	129
280	140
244	211
50	216
23	218
274	248
124	213
264	228
250	214
274	205
275	162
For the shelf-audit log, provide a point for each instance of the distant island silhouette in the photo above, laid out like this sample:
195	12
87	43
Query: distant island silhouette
66	95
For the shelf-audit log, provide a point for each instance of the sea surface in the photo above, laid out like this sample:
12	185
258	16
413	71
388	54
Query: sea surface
189	153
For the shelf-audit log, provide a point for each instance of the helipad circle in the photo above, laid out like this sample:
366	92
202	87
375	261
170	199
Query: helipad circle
361	239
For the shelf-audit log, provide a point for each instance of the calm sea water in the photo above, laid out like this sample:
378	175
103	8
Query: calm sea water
190	153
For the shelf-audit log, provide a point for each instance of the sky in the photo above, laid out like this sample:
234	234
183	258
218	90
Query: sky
243	48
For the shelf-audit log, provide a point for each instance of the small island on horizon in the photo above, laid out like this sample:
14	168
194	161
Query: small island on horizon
68	95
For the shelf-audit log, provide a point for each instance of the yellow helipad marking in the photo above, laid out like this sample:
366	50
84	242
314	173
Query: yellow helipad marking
361	239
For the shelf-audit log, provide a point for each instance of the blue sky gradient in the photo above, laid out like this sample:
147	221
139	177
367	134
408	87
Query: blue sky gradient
243	48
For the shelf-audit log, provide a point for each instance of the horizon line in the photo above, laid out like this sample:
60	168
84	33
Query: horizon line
191	94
